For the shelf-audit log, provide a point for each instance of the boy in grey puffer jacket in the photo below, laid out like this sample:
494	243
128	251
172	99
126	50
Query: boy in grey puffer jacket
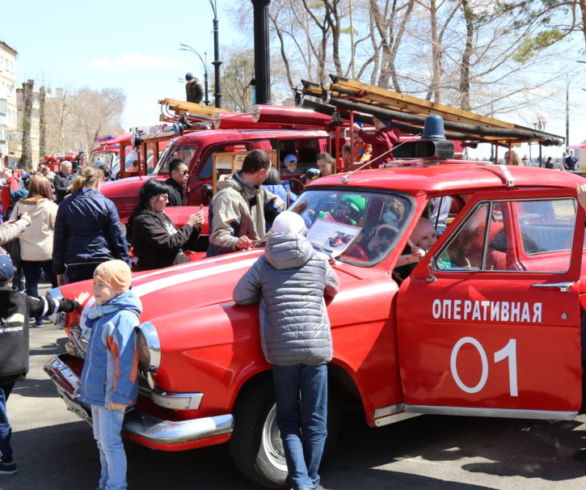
290	281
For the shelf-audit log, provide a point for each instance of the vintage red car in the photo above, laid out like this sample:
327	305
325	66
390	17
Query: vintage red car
487	324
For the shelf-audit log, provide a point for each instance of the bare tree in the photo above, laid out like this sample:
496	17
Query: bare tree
75	119
238	73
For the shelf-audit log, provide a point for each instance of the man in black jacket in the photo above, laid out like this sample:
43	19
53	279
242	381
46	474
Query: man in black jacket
177	181
193	91
62	181
15	310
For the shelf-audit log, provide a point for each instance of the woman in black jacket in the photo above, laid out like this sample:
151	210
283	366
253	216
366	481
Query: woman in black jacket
155	239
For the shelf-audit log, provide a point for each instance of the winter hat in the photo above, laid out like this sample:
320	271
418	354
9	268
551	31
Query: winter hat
356	202
6	267
188	76
290	223
423	227
114	273
289	158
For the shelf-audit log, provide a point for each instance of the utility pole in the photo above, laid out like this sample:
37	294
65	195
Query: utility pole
567	110
216	62
262	67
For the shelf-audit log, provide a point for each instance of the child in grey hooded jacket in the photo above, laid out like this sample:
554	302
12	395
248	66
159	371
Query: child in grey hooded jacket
290	281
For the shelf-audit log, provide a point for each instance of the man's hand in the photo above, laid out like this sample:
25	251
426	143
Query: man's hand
243	243
116	406
61	281
196	219
581	190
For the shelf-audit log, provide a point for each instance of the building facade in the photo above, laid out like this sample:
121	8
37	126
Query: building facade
9	136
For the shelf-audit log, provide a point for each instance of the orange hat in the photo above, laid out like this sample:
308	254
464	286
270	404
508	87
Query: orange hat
115	273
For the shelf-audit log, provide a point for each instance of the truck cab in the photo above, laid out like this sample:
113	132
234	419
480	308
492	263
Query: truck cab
197	149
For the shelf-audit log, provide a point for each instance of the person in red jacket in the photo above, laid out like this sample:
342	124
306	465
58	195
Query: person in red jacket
382	141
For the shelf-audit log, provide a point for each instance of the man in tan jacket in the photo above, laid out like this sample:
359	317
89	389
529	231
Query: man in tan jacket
237	211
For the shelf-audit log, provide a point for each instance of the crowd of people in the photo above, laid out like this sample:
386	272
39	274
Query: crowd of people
62	226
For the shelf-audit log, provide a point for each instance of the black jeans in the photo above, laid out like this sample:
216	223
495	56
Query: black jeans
32	274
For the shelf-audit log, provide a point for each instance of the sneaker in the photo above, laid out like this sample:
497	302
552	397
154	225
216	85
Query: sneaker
7	468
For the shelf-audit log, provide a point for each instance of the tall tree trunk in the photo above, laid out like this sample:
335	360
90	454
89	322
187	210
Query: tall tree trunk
27	97
42	123
465	65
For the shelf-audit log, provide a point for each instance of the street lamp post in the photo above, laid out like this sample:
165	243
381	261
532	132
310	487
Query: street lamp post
186	47
216	62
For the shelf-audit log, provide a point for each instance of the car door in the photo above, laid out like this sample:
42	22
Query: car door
484	331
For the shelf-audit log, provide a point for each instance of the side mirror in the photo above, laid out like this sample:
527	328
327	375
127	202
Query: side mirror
207	194
296	186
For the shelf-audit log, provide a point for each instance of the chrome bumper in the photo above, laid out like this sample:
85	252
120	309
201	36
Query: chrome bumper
144	426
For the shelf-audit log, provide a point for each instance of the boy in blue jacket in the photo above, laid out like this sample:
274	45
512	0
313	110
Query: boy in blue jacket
109	377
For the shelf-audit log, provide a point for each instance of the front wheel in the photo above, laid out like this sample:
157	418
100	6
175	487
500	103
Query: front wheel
256	445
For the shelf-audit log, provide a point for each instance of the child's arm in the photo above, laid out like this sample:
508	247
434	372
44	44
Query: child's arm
45	306
122	368
415	256
247	291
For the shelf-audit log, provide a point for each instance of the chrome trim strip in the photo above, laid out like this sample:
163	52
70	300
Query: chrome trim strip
398	417
176	400
170	432
389	410
492	412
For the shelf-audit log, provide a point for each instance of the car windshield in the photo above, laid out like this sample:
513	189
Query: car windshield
355	226
184	153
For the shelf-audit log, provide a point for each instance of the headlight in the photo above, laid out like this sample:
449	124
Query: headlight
149	347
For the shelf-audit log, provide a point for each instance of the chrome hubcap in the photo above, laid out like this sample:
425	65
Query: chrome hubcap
271	441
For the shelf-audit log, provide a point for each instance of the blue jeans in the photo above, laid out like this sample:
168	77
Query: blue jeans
107	428
301	392
5	429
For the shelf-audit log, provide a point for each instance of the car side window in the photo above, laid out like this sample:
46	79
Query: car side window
512	236
546	225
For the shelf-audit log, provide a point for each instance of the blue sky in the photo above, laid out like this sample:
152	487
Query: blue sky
125	44
133	45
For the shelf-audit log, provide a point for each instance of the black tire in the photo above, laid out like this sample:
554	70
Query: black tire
255	446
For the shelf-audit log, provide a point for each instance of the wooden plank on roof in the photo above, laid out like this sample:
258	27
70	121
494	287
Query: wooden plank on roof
183	107
414	105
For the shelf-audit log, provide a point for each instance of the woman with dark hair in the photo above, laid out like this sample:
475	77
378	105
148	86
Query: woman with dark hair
87	230
157	243
36	242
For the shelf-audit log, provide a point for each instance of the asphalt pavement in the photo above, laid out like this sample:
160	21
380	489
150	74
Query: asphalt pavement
55	450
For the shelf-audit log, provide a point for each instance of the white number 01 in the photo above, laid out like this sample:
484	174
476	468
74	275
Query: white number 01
509	352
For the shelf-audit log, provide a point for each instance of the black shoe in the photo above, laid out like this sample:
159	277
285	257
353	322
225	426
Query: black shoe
7	468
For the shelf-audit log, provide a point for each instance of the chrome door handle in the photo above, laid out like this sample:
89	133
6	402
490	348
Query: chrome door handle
564	287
